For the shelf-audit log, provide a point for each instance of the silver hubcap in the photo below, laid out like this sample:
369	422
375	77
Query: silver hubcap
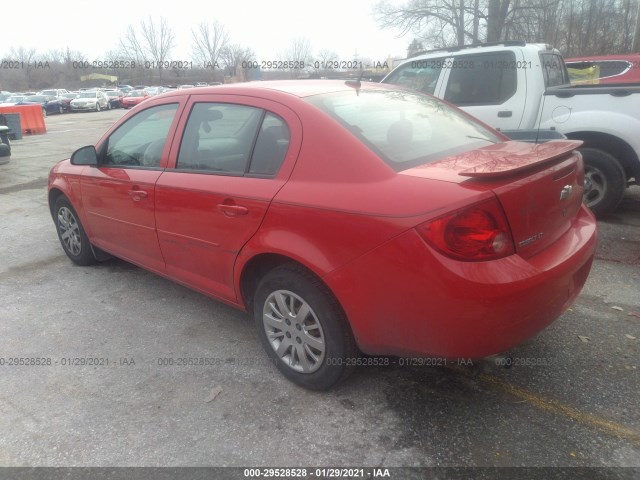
595	186
69	231
294	331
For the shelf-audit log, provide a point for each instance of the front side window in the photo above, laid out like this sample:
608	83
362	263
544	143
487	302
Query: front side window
140	140
483	79
404	129
421	75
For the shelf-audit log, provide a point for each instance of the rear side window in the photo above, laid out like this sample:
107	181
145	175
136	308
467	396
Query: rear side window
611	68
405	129
483	79
233	140
218	137
421	75
271	146
554	70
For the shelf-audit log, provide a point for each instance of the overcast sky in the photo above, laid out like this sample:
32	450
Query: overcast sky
344	26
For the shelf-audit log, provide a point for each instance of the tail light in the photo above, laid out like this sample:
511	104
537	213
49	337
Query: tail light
476	233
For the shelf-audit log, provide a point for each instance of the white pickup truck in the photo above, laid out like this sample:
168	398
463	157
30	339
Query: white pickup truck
518	86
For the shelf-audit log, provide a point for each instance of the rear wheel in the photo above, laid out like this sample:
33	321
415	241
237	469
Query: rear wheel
303	328
97	107
74	240
604	181
60	109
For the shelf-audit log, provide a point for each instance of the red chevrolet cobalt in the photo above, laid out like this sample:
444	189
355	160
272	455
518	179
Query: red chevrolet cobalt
345	217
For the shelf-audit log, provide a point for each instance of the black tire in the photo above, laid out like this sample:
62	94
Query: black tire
605	181
97	106
73	239
60	110
303	288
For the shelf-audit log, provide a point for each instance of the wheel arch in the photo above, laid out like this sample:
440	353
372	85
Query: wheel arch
54	194
615	146
258	265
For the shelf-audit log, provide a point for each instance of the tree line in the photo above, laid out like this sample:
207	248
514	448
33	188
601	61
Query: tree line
144	55
144	52
575	27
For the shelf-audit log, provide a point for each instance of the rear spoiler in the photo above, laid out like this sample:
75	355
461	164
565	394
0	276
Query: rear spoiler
501	162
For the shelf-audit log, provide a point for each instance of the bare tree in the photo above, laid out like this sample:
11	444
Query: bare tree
457	22
298	54
131	46
446	21
210	40
238	60
159	40
150	45
414	47
324	60
27	57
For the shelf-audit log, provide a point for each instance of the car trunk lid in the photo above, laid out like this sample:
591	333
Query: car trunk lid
539	185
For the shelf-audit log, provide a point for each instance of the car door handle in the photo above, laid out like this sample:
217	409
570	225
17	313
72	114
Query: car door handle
505	114
232	210
137	195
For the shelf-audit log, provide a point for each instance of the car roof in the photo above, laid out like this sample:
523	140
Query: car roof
629	57
298	88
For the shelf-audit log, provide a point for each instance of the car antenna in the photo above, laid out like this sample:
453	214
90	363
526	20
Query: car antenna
357	84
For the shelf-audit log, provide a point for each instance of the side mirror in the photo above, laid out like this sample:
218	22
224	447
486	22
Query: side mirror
85	156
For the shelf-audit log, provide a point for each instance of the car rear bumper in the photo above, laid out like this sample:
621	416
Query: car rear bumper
403	298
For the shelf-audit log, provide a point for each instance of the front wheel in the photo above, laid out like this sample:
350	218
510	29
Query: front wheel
303	328
74	240
604	181
97	107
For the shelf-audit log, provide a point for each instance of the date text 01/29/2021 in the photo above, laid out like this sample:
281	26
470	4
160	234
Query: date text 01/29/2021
323	472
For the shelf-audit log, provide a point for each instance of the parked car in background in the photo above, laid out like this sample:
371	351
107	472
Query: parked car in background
133	98
124	88
90	101
182	87
453	242
115	98
50	104
66	98
4	96
13	99
154	90
609	68
54	92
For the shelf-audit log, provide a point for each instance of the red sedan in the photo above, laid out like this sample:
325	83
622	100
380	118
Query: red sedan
611	68
346	217
133	98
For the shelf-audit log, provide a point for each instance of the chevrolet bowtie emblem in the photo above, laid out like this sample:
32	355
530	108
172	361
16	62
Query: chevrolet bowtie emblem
566	192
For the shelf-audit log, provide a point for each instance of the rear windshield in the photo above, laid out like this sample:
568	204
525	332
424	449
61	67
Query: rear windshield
405	129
